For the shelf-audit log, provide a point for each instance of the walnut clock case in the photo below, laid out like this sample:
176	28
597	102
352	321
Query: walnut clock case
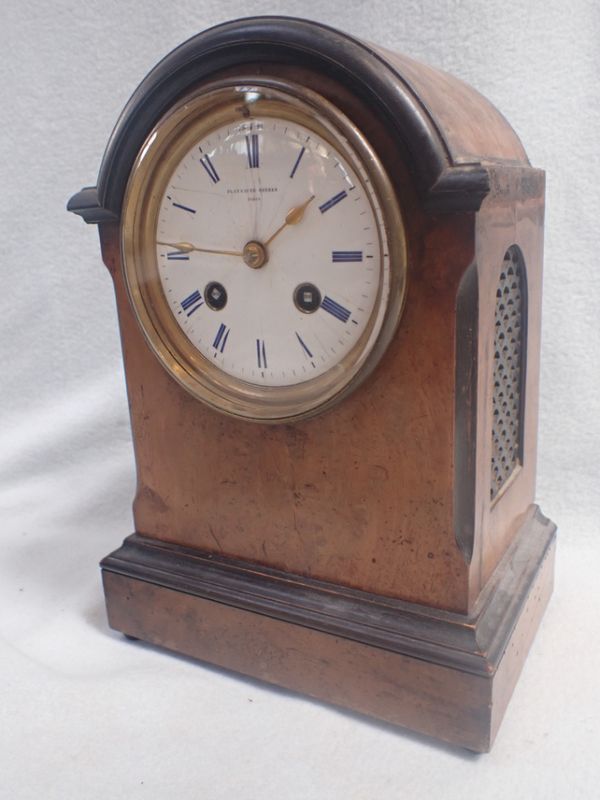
327	261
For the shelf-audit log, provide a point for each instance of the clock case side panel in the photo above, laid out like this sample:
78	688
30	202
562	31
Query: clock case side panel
511	217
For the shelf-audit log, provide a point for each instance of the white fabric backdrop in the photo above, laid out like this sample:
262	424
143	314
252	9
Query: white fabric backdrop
84	714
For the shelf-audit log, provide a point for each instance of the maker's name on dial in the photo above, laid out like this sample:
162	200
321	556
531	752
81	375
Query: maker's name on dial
253	190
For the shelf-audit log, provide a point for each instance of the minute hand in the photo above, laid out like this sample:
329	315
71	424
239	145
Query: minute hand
186	247
293	217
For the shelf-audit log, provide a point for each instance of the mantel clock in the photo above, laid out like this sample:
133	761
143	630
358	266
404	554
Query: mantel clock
327	263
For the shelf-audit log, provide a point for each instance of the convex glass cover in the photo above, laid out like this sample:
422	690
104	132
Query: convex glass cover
263	249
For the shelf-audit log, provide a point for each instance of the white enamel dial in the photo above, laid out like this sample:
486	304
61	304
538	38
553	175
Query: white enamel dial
299	267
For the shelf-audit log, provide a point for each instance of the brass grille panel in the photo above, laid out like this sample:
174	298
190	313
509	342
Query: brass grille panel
509	357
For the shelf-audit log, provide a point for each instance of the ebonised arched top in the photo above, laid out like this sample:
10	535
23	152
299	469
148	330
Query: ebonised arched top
421	105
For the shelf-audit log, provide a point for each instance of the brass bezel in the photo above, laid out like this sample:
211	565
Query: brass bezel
188	121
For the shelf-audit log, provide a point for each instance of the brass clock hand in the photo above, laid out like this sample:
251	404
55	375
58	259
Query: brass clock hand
186	247
293	217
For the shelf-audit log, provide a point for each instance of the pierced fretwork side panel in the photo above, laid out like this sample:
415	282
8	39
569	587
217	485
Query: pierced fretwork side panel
509	363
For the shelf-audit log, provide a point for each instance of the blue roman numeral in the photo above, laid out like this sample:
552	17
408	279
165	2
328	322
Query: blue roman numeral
338	311
261	355
338	256
184	208
333	201
303	345
192	303
295	167
221	338
211	171
252	149
177	256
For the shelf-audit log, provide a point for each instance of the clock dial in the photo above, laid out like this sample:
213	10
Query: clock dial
257	249
317	228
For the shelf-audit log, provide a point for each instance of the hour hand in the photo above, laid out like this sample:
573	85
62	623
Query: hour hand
186	247
293	217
